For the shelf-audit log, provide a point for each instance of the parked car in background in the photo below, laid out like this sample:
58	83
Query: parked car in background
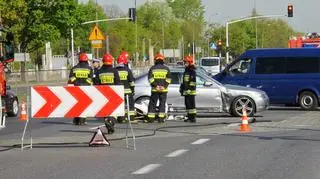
212	96
289	76
211	64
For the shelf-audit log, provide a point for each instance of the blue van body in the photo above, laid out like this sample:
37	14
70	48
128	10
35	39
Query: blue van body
288	76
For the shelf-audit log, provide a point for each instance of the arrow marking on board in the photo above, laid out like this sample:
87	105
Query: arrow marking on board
83	101
114	100
52	101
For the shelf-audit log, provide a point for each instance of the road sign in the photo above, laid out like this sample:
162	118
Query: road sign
96	34
96	44
77	101
213	46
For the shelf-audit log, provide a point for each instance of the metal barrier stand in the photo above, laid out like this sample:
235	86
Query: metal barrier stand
129	125
26	125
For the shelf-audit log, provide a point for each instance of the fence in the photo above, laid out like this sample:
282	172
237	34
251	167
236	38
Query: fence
50	77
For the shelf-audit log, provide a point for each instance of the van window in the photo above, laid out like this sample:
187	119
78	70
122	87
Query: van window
290	65
210	62
241	67
302	65
270	65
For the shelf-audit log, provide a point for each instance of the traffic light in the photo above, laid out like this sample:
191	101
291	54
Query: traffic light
132	14
290	10
219	45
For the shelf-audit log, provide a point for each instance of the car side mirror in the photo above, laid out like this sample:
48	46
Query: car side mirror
207	83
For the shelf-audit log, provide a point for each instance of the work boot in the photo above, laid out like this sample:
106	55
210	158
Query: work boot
109	123
76	121
121	120
149	120
161	120
83	121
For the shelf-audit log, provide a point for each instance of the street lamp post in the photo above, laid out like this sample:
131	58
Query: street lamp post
240	20
72	47
136	33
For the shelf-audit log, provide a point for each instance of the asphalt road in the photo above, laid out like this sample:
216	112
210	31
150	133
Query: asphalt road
284	144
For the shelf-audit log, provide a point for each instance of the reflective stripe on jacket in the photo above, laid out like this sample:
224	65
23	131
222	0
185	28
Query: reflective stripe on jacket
159	75
189	83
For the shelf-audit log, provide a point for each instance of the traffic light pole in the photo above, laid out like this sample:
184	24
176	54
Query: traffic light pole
105	20
240	20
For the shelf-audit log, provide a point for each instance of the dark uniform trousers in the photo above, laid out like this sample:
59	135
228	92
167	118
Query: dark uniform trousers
190	103
127	80
132	112
155	96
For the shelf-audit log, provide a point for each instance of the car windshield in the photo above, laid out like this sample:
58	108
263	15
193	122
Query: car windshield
209	62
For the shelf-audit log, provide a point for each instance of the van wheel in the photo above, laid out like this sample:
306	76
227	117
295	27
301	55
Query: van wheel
308	101
239	102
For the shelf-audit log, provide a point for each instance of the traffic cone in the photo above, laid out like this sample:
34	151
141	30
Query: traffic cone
99	139
23	114
245	124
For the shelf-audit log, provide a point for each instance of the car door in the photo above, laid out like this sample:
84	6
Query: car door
239	73
174	98
208	94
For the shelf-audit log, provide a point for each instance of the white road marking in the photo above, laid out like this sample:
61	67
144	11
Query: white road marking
177	153
233	124
92	128
146	169
200	141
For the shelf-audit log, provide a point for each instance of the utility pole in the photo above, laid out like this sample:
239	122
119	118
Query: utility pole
136	33
256	24
72	47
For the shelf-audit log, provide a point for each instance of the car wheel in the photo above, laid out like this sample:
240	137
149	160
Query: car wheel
239	102
308	101
13	108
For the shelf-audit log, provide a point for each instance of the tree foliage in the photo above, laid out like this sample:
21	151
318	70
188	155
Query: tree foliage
35	22
271	33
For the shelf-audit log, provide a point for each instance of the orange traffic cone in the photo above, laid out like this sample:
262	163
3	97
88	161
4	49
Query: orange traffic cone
23	114
245	124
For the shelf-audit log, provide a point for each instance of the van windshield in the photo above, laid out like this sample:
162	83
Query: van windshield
210	62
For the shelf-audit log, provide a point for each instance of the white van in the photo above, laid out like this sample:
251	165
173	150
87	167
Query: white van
210	64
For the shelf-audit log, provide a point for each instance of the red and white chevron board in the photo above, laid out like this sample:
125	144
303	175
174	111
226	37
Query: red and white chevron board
77	101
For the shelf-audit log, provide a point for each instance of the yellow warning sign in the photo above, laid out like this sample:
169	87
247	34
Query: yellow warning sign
96	34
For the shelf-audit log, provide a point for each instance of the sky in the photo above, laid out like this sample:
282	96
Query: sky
304	18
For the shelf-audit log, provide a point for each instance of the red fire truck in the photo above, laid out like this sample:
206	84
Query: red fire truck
10	103
310	40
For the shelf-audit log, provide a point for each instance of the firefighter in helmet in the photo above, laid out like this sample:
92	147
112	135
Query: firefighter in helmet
107	75
127	79
159	79
126	55
188	89
81	75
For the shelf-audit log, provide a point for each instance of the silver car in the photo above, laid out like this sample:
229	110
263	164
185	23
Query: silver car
212	96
